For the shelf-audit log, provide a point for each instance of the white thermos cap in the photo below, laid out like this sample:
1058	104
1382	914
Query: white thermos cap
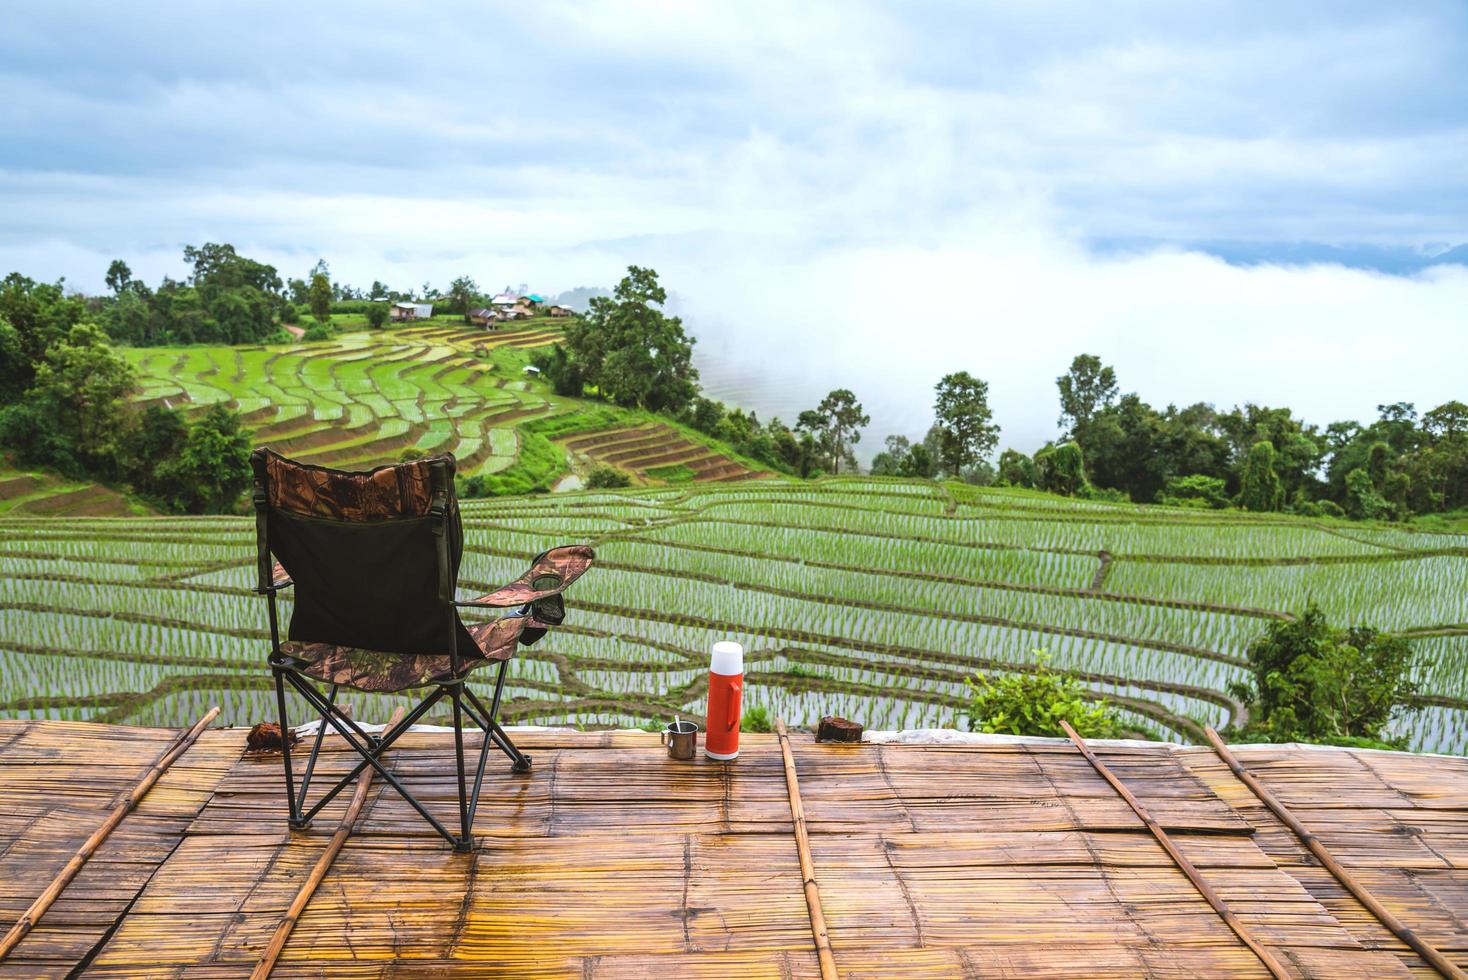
728	658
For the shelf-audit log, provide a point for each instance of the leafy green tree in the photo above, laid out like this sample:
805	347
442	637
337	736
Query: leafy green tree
631	351
965	421
1036	703
41	314
319	297
1363	502
1087	388
118	277
377	316
13	377
607	477
1315	683
461	293
1196	490
1016	469
1260	488
158	436
83	385
1061	469
212	469
836	424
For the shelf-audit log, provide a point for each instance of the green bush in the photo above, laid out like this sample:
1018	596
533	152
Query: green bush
1196	490
1315	683
756	719
319	331
1036	703
606	478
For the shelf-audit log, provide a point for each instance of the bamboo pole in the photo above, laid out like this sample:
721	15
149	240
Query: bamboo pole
807	867
89	847
1420	946
1273	965
318	872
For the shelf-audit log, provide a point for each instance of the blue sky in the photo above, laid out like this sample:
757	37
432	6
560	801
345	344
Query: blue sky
1013	182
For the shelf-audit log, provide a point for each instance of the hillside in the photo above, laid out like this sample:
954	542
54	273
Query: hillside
364	398
868	598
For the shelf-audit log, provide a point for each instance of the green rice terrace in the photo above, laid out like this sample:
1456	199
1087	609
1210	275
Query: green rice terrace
864	597
363	399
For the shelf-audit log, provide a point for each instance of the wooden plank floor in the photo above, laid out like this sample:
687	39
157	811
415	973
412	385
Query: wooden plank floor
610	860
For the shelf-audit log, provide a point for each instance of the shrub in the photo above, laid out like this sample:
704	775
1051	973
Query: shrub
756	720
376	315
319	331
607	477
1036	703
1196	490
1316	683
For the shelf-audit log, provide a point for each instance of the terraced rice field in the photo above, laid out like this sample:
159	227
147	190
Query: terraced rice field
361	400
659	452
867	598
43	493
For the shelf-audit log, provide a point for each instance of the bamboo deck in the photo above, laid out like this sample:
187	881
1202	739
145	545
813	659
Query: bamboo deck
610	860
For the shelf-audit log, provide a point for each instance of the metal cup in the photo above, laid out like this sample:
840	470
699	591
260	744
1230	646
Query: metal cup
681	738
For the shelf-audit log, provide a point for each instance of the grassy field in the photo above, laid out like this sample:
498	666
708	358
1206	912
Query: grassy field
862	597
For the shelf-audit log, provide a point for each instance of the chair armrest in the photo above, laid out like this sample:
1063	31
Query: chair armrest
549	574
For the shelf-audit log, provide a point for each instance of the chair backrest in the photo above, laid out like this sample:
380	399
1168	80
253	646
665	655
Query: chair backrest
374	556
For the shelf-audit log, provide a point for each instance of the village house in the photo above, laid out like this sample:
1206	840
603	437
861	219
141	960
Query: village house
484	317
561	311
402	312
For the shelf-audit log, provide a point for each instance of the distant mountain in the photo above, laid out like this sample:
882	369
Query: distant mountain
1392	259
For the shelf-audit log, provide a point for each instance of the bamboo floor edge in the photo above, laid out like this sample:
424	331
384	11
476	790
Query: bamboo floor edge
611	860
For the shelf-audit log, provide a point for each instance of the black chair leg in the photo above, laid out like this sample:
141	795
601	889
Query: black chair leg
487	719
293	810
466	841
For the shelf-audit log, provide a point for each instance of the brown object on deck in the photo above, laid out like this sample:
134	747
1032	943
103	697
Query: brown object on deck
1421	947
1274	967
834	729
48	897
323	864
265	737
807	866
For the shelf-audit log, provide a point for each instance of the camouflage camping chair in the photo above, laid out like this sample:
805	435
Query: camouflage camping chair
374	560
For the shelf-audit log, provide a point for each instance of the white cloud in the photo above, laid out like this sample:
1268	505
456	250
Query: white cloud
850	193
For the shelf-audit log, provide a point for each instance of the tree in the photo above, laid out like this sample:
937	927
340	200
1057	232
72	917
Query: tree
119	277
1061	469
461	293
836	423
965	422
213	468
158	436
1260	488
1036	703
377	315
1015	469
82	385
1196	490
634	353
41	314
1087	388
1315	683
319	296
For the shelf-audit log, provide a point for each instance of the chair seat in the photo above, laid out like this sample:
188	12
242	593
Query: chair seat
376	671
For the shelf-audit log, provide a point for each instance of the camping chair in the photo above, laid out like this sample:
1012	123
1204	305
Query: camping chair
374	560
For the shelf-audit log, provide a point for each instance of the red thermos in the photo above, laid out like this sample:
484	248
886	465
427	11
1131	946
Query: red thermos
726	684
